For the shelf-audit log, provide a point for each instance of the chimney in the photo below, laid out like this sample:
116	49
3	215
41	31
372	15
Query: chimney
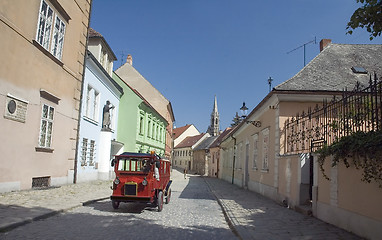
129	60
324	43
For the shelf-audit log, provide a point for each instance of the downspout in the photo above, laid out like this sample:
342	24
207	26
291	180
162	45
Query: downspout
234	159
81	95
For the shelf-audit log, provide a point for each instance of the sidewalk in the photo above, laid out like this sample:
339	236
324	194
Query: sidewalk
21	207
252	216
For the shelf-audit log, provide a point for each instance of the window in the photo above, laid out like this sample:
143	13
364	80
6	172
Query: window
46	128
52	41
240	162
84	151
88	152
141	125
255	150
149	129
157	133
92	103
133	165
265	149
102	59
91	152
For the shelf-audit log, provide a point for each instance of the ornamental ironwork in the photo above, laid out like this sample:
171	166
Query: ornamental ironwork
357	110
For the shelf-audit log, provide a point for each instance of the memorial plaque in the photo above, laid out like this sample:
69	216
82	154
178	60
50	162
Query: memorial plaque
15	109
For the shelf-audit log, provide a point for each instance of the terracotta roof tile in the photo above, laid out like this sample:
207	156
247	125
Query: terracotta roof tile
94	33
176	132
190	141
218	140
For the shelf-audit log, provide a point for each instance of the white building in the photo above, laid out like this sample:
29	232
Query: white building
97	130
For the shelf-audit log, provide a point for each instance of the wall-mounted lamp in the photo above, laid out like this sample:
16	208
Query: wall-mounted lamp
244	115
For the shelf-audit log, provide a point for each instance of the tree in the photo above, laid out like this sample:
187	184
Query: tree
368	16
236	120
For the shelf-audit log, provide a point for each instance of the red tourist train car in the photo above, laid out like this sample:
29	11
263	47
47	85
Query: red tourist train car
141	177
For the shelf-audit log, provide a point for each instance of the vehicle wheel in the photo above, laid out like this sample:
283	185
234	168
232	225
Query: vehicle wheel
168	196
115	204
160	201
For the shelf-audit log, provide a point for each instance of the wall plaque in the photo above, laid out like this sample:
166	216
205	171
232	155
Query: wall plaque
15	109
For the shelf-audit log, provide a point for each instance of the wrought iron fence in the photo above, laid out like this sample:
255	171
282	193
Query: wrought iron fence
357	110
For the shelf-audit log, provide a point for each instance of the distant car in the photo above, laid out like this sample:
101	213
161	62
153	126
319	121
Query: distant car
141	177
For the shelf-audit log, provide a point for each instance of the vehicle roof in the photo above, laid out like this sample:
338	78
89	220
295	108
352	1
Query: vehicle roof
148	155
135	154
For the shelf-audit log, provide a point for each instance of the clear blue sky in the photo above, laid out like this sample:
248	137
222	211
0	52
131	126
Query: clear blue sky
192	50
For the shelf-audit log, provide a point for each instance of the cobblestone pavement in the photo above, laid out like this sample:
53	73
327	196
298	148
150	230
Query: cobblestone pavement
193	213
256	217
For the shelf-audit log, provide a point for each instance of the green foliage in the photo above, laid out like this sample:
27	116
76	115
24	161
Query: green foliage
363	150
368	16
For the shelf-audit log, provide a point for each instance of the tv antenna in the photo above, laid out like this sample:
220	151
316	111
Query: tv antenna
303	45
123	55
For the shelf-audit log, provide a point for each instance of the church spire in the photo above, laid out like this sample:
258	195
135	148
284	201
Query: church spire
213	129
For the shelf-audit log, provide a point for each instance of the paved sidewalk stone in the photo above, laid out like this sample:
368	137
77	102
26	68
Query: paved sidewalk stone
253	216
21	207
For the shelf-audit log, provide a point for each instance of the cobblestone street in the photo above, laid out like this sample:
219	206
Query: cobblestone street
193	213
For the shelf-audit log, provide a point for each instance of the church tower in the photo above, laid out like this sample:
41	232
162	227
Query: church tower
213	129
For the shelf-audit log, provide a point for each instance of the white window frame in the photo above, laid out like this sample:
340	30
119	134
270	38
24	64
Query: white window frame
255	150
92	147
84	151
92	103
50	32
45	134
265	154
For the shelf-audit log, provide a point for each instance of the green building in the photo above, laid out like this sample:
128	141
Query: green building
140	127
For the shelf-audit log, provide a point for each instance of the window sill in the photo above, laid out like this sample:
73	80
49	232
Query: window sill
47	53
255	169
265	170
41	149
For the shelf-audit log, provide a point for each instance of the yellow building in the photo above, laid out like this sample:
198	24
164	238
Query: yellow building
41	71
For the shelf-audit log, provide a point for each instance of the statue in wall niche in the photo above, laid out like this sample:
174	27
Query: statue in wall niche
106	115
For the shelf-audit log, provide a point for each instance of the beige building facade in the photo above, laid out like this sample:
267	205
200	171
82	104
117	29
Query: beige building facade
41	72
254	155
183	156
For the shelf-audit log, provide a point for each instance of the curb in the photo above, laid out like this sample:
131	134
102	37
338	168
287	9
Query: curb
52	213
233	224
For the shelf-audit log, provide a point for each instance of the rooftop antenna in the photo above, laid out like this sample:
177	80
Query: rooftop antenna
123	55
303	45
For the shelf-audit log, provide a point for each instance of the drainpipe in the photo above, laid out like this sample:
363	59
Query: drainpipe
234	159
81	95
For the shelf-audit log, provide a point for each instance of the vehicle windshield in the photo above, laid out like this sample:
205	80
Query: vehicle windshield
133	164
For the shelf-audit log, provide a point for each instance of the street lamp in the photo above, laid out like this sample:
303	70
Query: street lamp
244	111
